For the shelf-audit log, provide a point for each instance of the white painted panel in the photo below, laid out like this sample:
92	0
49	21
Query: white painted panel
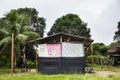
72	50
49	50
42	50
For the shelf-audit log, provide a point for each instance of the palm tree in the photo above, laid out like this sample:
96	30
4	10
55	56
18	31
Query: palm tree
17	31
3	33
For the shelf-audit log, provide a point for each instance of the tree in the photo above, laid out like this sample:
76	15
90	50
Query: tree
37	23
70	23
17	26
117	33
99	53
100	49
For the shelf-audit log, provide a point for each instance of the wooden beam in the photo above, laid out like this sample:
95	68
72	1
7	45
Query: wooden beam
54	40
12	54
68	39
84	42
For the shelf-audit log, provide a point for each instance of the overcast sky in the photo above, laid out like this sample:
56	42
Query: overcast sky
102	16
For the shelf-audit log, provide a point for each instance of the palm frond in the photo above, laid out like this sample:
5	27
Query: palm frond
18	27
22	38
5	40
4	33
32	35
26	28
13	16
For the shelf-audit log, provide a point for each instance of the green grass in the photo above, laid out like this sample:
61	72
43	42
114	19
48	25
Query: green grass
8	70
34	76
105	68
59	77
4	71
96	68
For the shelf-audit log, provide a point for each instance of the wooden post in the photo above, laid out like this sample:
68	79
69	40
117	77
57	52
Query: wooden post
92	56
61	39
12	55
36	59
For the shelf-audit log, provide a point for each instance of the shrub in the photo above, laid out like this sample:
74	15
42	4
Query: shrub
31	64
98	59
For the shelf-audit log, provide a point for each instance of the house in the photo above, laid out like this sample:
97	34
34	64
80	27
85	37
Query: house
114	54
61	53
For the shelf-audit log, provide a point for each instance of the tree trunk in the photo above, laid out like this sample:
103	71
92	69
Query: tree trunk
24	58
12	54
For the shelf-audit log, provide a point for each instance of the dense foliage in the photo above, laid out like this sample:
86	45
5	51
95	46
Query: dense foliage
117	33
37	23
100	48
16	23
99	60
99	54
70	23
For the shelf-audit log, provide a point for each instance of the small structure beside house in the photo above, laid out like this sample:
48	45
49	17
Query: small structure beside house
61	53
114	54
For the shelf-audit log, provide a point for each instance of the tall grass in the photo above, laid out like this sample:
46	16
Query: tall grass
105	68
8	70
59	77
34	76
95	68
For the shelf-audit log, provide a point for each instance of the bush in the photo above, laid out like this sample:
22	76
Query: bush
98	59
4	62
31	64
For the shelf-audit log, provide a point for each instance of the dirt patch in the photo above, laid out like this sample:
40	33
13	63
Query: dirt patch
107	73
25	73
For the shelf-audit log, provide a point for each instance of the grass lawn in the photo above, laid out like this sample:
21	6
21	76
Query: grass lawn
105	68
8	70
59	77
37	76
